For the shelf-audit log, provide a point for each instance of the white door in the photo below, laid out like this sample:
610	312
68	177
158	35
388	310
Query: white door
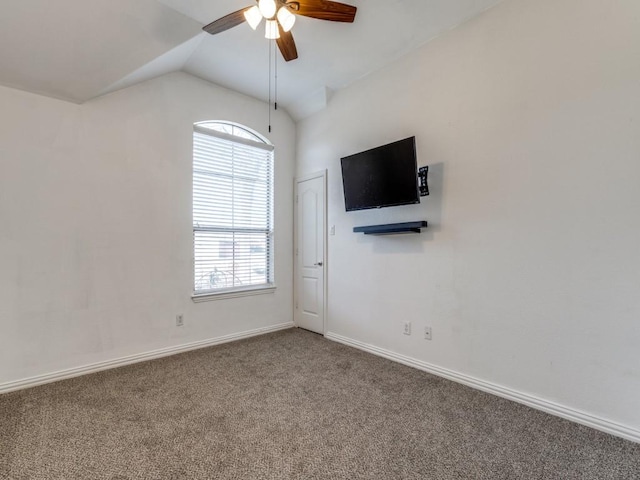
310	253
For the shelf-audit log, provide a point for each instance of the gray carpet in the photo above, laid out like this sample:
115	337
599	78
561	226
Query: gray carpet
290	405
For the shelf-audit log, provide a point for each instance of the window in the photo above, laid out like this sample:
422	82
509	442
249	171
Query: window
232	210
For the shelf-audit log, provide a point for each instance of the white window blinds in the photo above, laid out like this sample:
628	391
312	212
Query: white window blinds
232	211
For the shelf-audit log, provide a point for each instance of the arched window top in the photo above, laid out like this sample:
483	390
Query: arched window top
235	130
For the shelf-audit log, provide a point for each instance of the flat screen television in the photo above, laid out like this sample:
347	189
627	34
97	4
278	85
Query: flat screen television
381	177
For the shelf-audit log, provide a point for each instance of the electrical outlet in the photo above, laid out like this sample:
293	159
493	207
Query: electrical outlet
427	333
407	328
179	320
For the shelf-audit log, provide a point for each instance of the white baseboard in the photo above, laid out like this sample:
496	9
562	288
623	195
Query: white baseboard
130	359
538	403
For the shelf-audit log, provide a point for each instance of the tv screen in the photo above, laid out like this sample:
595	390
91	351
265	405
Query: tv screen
381	177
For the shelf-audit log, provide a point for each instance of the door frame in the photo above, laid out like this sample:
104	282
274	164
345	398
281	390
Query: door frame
303	178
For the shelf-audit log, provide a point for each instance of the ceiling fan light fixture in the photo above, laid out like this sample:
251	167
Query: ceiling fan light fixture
286	19
272	32
253	16
267	8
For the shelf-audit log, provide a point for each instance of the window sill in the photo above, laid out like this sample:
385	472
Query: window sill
224	294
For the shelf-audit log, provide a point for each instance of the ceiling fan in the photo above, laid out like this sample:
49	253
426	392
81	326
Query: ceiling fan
280	17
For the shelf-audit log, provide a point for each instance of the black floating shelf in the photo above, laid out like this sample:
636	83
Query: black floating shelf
391	228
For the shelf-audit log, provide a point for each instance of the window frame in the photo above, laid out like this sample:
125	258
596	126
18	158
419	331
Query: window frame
248	138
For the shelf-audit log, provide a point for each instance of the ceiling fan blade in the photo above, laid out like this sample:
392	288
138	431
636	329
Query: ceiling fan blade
324	10
286	45
226	22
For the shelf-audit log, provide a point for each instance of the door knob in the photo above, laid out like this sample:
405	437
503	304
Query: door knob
319	264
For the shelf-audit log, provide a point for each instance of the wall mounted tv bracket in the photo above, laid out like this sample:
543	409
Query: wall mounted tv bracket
422	181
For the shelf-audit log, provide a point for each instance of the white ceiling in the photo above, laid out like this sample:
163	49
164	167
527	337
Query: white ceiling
79	49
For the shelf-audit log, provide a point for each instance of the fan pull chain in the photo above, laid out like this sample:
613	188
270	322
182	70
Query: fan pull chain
275	62
269	104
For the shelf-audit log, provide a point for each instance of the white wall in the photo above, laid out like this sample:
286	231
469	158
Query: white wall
529	272
95	215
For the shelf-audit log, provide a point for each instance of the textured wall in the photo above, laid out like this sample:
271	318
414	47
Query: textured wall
96	242
529	117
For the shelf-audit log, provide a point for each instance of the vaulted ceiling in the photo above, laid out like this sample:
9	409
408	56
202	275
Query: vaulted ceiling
77	50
